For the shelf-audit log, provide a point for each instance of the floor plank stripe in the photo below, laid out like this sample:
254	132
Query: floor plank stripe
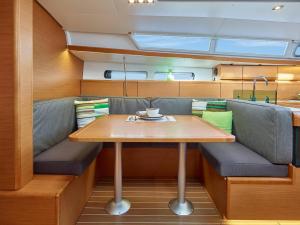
149	204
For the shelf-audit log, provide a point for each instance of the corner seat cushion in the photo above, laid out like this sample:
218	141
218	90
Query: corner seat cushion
264	128
66	158
53	121
236	160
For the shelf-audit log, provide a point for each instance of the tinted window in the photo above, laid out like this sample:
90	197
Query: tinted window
253	47
171	43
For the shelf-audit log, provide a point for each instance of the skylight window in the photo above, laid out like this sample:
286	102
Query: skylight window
171	43
297	52
251	47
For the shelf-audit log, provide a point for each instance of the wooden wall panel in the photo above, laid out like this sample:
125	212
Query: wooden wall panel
260	85
15	93
228	87
200	89
216	187
108	88
250	72
158	88
228	72
288	90
266	198
149	160
289	73
57	73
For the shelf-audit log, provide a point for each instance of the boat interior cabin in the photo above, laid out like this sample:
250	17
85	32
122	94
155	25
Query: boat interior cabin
149	112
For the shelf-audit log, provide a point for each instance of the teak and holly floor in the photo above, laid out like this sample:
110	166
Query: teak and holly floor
149	205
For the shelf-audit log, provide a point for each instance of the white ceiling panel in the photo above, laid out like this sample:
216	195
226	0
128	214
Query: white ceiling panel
99	7
238	19
229	10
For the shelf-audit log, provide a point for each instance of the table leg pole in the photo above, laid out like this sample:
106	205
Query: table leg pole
118	205
181	206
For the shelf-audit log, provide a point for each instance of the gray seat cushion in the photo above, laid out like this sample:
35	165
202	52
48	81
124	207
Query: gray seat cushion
124	105
173	106
236	160
264	128
53	121
67	158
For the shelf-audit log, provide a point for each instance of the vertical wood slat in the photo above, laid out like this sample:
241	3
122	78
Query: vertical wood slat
16	62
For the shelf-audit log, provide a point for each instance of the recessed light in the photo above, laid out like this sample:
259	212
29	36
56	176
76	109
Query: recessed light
277	7
141	1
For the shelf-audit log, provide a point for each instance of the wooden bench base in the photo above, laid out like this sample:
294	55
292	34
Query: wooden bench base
47	200
245	198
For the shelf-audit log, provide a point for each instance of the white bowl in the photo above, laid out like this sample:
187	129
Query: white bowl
152	112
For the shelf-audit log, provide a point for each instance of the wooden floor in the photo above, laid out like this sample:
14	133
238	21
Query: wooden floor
149	206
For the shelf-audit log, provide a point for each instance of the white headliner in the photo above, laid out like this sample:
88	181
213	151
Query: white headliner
149	60
241	19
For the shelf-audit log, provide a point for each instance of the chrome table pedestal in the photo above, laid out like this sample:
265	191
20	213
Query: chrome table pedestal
118	205
181	206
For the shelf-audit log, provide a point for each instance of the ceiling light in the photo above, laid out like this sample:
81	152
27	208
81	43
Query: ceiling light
277	7
141	1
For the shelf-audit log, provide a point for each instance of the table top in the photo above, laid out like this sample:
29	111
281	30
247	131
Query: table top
114	128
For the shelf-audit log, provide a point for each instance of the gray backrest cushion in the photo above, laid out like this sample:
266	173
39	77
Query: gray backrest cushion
173	106
264	128
53	121
127	105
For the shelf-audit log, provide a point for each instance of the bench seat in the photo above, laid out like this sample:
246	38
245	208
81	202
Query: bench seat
68	158
236	160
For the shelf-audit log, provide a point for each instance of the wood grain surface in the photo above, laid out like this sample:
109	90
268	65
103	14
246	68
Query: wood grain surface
57	72
114	128
15	93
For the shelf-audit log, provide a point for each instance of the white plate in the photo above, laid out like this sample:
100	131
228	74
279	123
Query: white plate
146	117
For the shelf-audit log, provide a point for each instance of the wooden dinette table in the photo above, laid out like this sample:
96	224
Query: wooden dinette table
115	128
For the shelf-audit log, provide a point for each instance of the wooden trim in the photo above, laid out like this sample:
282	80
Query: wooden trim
296	119
263	180
181	55
47	200
216	187
16	63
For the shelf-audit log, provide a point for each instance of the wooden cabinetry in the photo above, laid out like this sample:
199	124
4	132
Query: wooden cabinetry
228	88
200	89
233	72
229	72
288	90
108	88
250	72
289	73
